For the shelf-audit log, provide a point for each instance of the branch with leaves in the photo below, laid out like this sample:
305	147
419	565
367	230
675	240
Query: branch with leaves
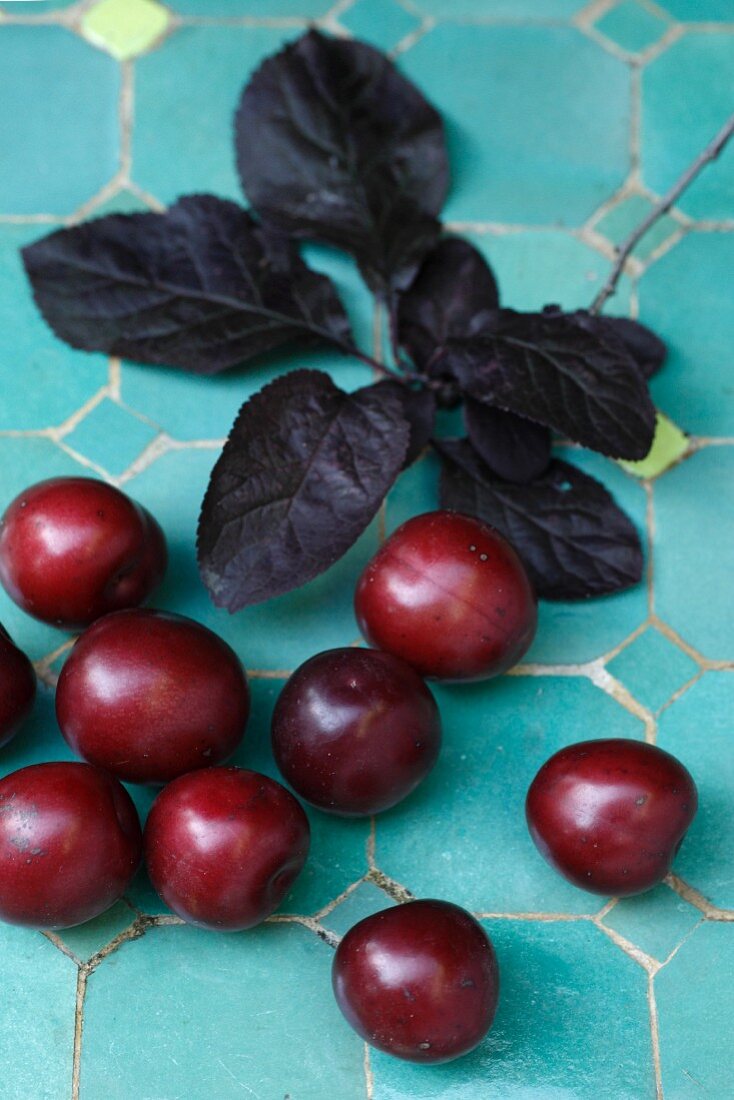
334	144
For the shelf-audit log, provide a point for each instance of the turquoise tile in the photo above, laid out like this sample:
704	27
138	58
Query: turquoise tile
85	940
22	463
382	23
43	381
652	668
110	436
632	26
279	634
191	87
34	7
545	266
67	147
617	225
462	834
695	999
686	99
695	550
237	9
657	922
537	120
700	10
36	1016
224	1023
190	407
501	9
39	739
570	632
571	1025
697	729
362	902
694	387
123	201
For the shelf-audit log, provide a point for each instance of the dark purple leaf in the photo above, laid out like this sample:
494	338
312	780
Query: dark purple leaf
419	409
574	539
333	143
302	474
555	369
514	448
647	349
202	287
454	295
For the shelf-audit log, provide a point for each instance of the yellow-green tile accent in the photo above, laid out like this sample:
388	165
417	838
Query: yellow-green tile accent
668	445
125	28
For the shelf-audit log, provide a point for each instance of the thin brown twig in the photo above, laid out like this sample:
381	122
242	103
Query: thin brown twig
710	153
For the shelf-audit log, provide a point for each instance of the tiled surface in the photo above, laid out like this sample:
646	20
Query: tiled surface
625	1001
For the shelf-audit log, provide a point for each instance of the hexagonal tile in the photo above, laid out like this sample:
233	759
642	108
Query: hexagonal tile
111	436
225	1023
37	1014
44	381
234	9
694	386
697	729
561	984
184	106
652	668
125	28
537	120
668	446
85	940
501	9
462	834
685	101
657	921
545	266
382	23
67	147
568	632
362	902
618	223
631	26
695	999
695	550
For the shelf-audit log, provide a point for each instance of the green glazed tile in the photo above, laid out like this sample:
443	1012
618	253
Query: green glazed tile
38	740
522	147
184	106
695	1000
700	10
631	26
247	1014
501	9
657	922
562	984
697	729
462	834
237	9
382	23
668	445
85	940
686	99
43	381
652	668
111	437
626	216
122	202
694	553
36	1016
544	266
39	7
125	28
684	297
66	94
362	902
568	632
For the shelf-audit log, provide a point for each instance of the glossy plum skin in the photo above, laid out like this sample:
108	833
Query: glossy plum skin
70	842
73	549
355	731
450	596
224	846
149	696
611	815
419	981
17	687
